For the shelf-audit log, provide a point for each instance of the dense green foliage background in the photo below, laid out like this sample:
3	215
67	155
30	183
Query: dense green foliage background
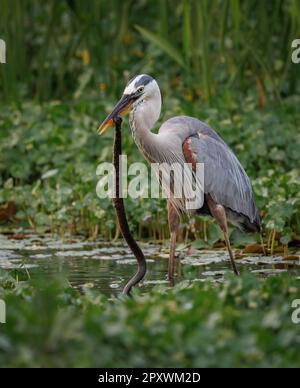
225	62
244	322
49	155
58	47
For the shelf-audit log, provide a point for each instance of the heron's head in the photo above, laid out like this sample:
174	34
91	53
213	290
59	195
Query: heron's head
138	90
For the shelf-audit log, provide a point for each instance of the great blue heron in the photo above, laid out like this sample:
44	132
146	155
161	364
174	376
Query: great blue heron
228	195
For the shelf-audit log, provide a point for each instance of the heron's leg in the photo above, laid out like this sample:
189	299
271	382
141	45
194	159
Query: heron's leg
172	255
227	242
218	212
174	222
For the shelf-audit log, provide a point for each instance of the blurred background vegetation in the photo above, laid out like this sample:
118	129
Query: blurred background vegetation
226	62
58	48
243	322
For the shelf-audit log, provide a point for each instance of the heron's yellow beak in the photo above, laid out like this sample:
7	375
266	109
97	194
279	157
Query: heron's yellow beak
122	107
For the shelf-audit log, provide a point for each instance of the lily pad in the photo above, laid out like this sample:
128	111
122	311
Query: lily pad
156	282
269	271
206	258
214	273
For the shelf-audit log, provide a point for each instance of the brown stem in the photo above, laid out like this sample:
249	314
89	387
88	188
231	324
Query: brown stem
121	214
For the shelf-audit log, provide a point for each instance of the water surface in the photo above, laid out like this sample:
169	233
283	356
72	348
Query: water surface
106	267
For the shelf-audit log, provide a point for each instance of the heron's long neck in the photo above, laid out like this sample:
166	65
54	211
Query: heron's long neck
142	120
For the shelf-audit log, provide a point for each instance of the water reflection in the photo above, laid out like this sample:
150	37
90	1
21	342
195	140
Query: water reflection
107	268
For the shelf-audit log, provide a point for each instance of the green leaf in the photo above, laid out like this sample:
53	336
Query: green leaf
163	44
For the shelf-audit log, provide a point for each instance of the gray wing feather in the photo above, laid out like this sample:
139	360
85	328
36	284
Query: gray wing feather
224	177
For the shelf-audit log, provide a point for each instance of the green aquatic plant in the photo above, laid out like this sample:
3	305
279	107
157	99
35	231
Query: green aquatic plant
243	322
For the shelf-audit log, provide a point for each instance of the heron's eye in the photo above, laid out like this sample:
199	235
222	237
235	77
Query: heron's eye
140	89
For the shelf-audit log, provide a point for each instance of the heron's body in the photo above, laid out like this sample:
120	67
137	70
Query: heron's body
225	179
227	189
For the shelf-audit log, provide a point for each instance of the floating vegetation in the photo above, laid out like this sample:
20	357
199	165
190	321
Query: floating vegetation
269	271
99	263
206	258
214	273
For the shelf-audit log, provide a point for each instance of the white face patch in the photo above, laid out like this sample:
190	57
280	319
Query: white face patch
151	93
131	88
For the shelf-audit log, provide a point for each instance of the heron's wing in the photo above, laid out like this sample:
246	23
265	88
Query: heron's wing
224	177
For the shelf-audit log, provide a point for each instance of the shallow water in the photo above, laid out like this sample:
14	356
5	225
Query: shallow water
107	268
